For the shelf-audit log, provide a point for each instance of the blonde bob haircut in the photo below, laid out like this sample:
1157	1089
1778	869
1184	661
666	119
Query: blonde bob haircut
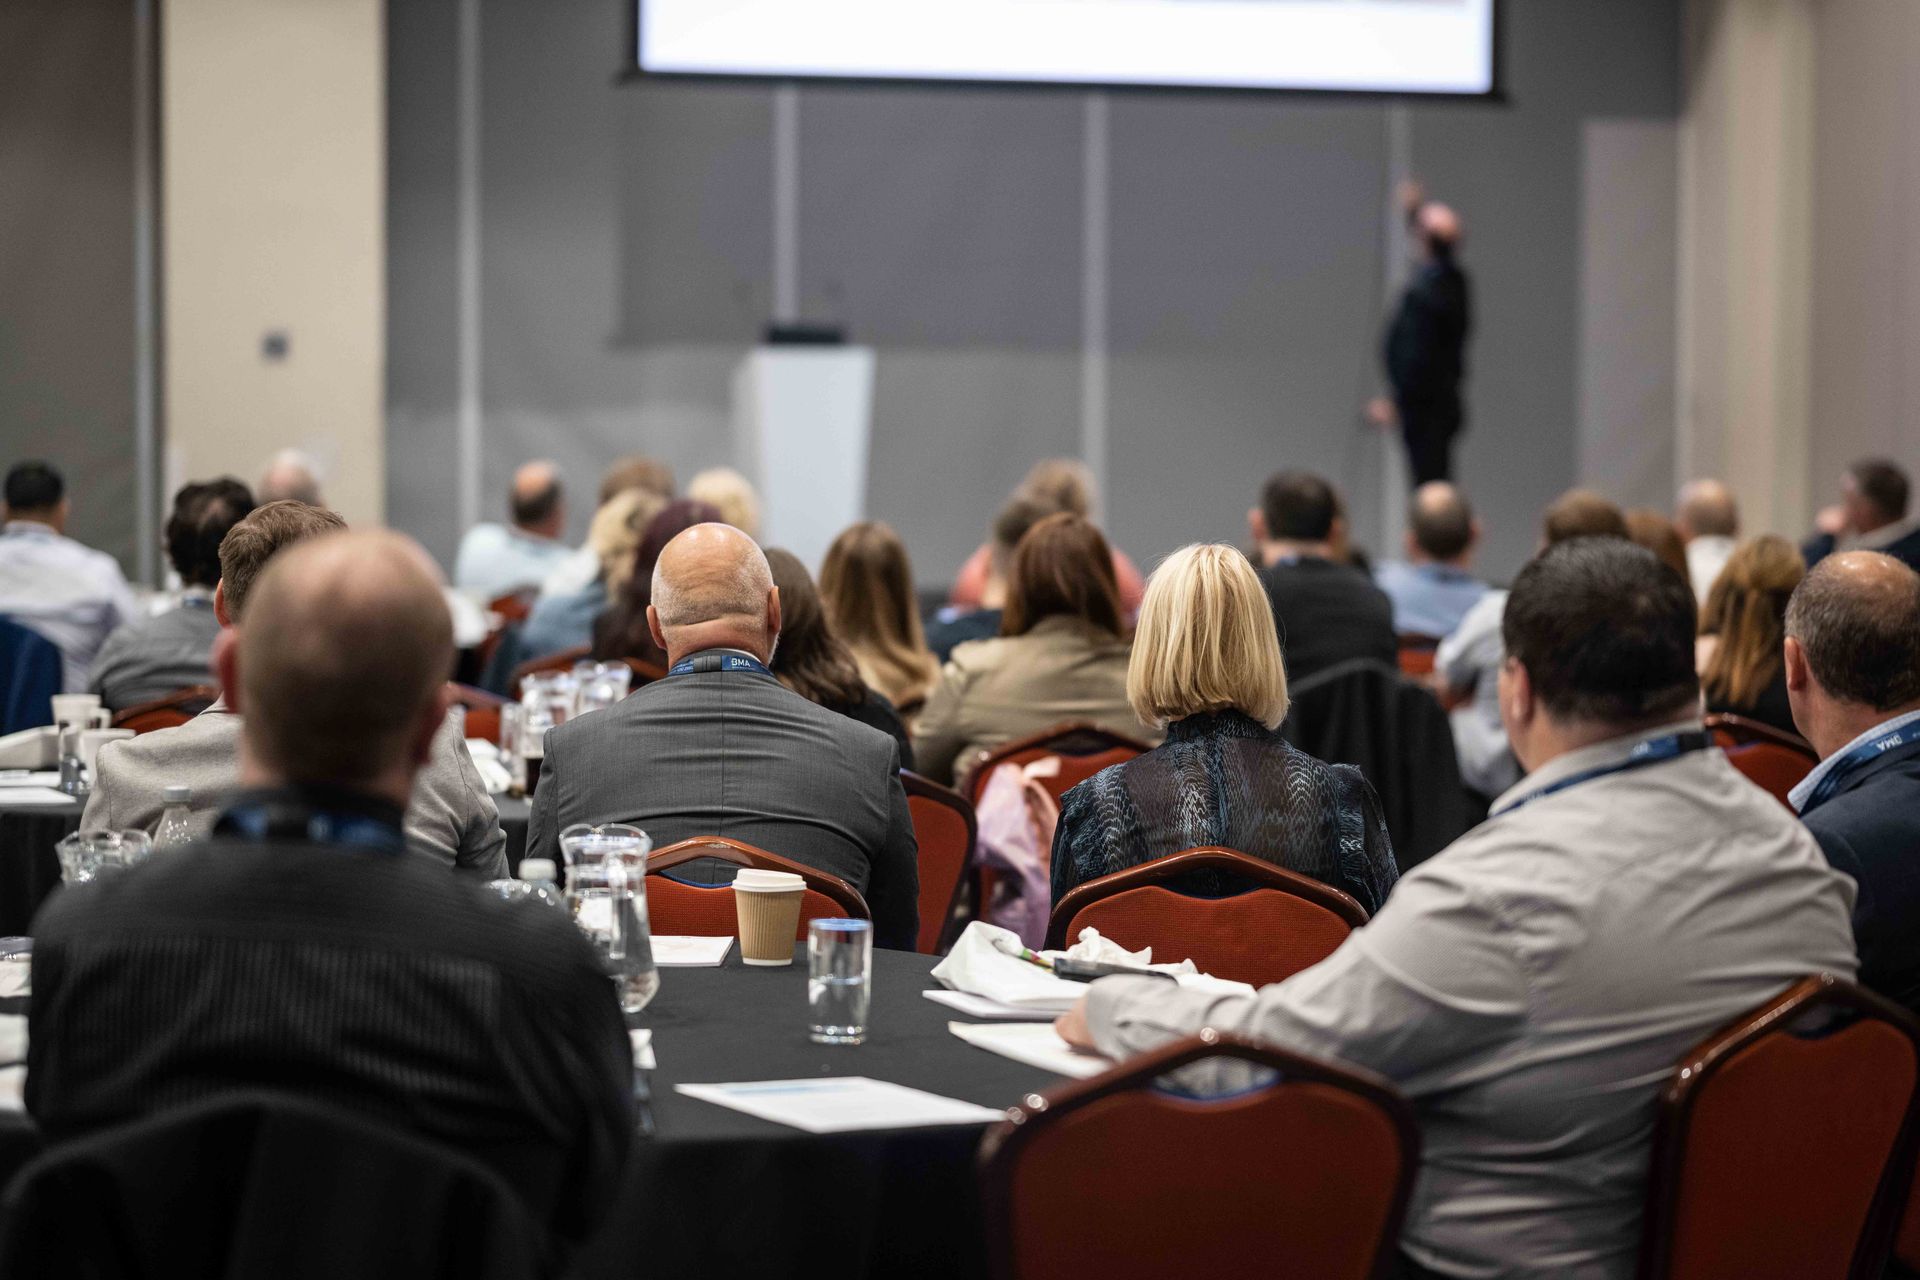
1206	641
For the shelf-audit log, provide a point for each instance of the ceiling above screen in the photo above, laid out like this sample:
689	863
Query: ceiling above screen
1335	46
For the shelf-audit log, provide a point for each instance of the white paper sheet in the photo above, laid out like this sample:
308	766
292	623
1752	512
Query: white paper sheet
841	1104
984	1007
1035	1043
26	778
13	1089
13	1039
16	977
32	797
641	1038
686	951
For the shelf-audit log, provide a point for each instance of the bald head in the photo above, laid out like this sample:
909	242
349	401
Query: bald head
1439	225
290	475
1440	523
1707	510
712	589
341	668
538	502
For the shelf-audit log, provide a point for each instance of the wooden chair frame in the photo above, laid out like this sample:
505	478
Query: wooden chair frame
1745	732
1676	1103
1045	741
931	939
1003	1145
177	701
741	854
1257	874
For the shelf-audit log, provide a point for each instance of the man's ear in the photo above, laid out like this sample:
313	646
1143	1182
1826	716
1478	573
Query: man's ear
1799	671
1256	525
430	721
226	666
653	628
220	613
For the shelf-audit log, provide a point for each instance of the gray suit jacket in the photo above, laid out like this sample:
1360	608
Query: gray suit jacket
451	816
739	755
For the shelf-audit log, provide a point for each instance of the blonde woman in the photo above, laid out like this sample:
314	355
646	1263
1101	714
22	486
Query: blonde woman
732	494
867	585
564	620
1743	629
1206	668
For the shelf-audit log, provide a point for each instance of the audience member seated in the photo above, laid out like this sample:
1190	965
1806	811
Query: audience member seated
866	583
1659	535
71	594
1708	520
719	747
1433	589
1870	516
811	660
564	620
497	560
731	494
300	950
150	658
1054	485
291	476
623	630
1327	611
1531	988
1206	669
1742	671
1060	656
582	567
1468	663
955	625
1853	670
450	818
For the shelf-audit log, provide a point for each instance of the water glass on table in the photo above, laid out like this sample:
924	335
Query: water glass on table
607	889
86	855
839	980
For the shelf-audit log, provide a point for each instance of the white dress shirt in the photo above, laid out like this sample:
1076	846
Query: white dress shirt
1707	555
1470	658
495	560
69	593
1533	987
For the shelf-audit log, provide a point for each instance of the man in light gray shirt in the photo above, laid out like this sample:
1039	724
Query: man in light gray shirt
1532	988
451	816
69	593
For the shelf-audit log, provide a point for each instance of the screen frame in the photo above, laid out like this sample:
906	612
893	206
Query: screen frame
632	71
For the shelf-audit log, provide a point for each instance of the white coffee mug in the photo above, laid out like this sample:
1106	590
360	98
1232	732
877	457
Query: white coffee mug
91	740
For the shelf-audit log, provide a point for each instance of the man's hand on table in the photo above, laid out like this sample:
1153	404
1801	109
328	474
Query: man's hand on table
1072	1027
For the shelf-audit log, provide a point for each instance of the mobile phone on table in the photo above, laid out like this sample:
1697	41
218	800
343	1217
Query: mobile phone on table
1088	970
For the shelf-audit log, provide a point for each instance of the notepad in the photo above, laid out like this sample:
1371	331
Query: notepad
841	1104
1036	1044
684	951
986	1007
33	797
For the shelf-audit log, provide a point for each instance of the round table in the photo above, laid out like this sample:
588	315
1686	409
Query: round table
29	868
718	1192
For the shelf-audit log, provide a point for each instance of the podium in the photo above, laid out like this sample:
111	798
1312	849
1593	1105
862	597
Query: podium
802	426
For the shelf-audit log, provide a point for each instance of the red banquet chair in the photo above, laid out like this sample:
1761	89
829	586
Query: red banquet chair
1084	750
1284	923
169	712
945	828
707	910
1782	1144
482	711
1772	760
1118	1178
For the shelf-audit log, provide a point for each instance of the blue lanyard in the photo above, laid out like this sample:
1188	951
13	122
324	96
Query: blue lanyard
719	662
294	822
1860	755
1652	751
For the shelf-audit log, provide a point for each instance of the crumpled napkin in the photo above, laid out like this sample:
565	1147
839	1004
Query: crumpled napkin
977	967
1091	946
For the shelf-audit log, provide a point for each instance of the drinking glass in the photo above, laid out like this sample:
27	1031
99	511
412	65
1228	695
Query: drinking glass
600	684
839	980
87	855
607	892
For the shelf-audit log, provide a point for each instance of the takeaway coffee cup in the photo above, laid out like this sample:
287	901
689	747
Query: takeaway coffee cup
767	906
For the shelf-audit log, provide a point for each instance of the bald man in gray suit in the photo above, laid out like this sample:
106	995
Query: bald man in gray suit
722	748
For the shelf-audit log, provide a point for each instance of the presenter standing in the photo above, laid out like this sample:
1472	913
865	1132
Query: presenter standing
1425	346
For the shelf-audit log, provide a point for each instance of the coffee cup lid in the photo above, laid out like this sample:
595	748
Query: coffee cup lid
754	880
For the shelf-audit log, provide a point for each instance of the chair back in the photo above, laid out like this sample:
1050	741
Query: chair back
1118	1178
31	672
1283	923
1417	653
1782	1144
169	712
515	606
675	907
1083	750
944	826
482	710
1773	760
254	1184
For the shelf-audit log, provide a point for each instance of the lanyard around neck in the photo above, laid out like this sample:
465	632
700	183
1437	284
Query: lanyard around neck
1651	752
1859	756
706	662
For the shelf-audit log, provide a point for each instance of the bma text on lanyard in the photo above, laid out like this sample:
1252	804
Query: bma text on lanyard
1858	756
719	662
1652	751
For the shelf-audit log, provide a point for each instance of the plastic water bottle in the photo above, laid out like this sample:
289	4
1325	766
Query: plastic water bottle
176	820
542	882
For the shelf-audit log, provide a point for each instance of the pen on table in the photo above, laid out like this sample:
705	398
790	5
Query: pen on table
1020	952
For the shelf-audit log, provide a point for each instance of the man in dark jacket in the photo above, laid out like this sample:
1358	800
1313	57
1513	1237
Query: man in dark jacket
1425	346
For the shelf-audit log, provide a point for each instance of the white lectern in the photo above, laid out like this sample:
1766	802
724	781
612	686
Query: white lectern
802	420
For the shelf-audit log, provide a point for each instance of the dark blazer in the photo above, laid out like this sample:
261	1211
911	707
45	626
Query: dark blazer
353	977
1328	613
1870	830
738	754
1821	545
1426	343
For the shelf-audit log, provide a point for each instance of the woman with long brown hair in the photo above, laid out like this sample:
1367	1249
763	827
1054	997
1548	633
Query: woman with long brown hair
621	632
866	584
1060	655
812	661
1742	629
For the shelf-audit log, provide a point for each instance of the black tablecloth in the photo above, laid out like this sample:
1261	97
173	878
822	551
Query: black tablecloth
716	1192
513	821
29	868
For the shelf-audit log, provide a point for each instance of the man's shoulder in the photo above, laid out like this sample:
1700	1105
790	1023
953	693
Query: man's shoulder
209	738
1887	800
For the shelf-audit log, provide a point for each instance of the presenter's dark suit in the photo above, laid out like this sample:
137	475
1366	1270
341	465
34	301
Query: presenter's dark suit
1426	359
345	974
738	754
1870	830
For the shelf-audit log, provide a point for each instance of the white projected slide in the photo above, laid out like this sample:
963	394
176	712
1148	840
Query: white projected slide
1388	46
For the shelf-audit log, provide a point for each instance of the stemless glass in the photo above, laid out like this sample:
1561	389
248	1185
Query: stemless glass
839	980
607	891
599	684
87	855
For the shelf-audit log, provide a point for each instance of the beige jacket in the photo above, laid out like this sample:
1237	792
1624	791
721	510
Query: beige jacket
994	691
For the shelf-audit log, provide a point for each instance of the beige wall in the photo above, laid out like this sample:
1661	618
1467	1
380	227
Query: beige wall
274	154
